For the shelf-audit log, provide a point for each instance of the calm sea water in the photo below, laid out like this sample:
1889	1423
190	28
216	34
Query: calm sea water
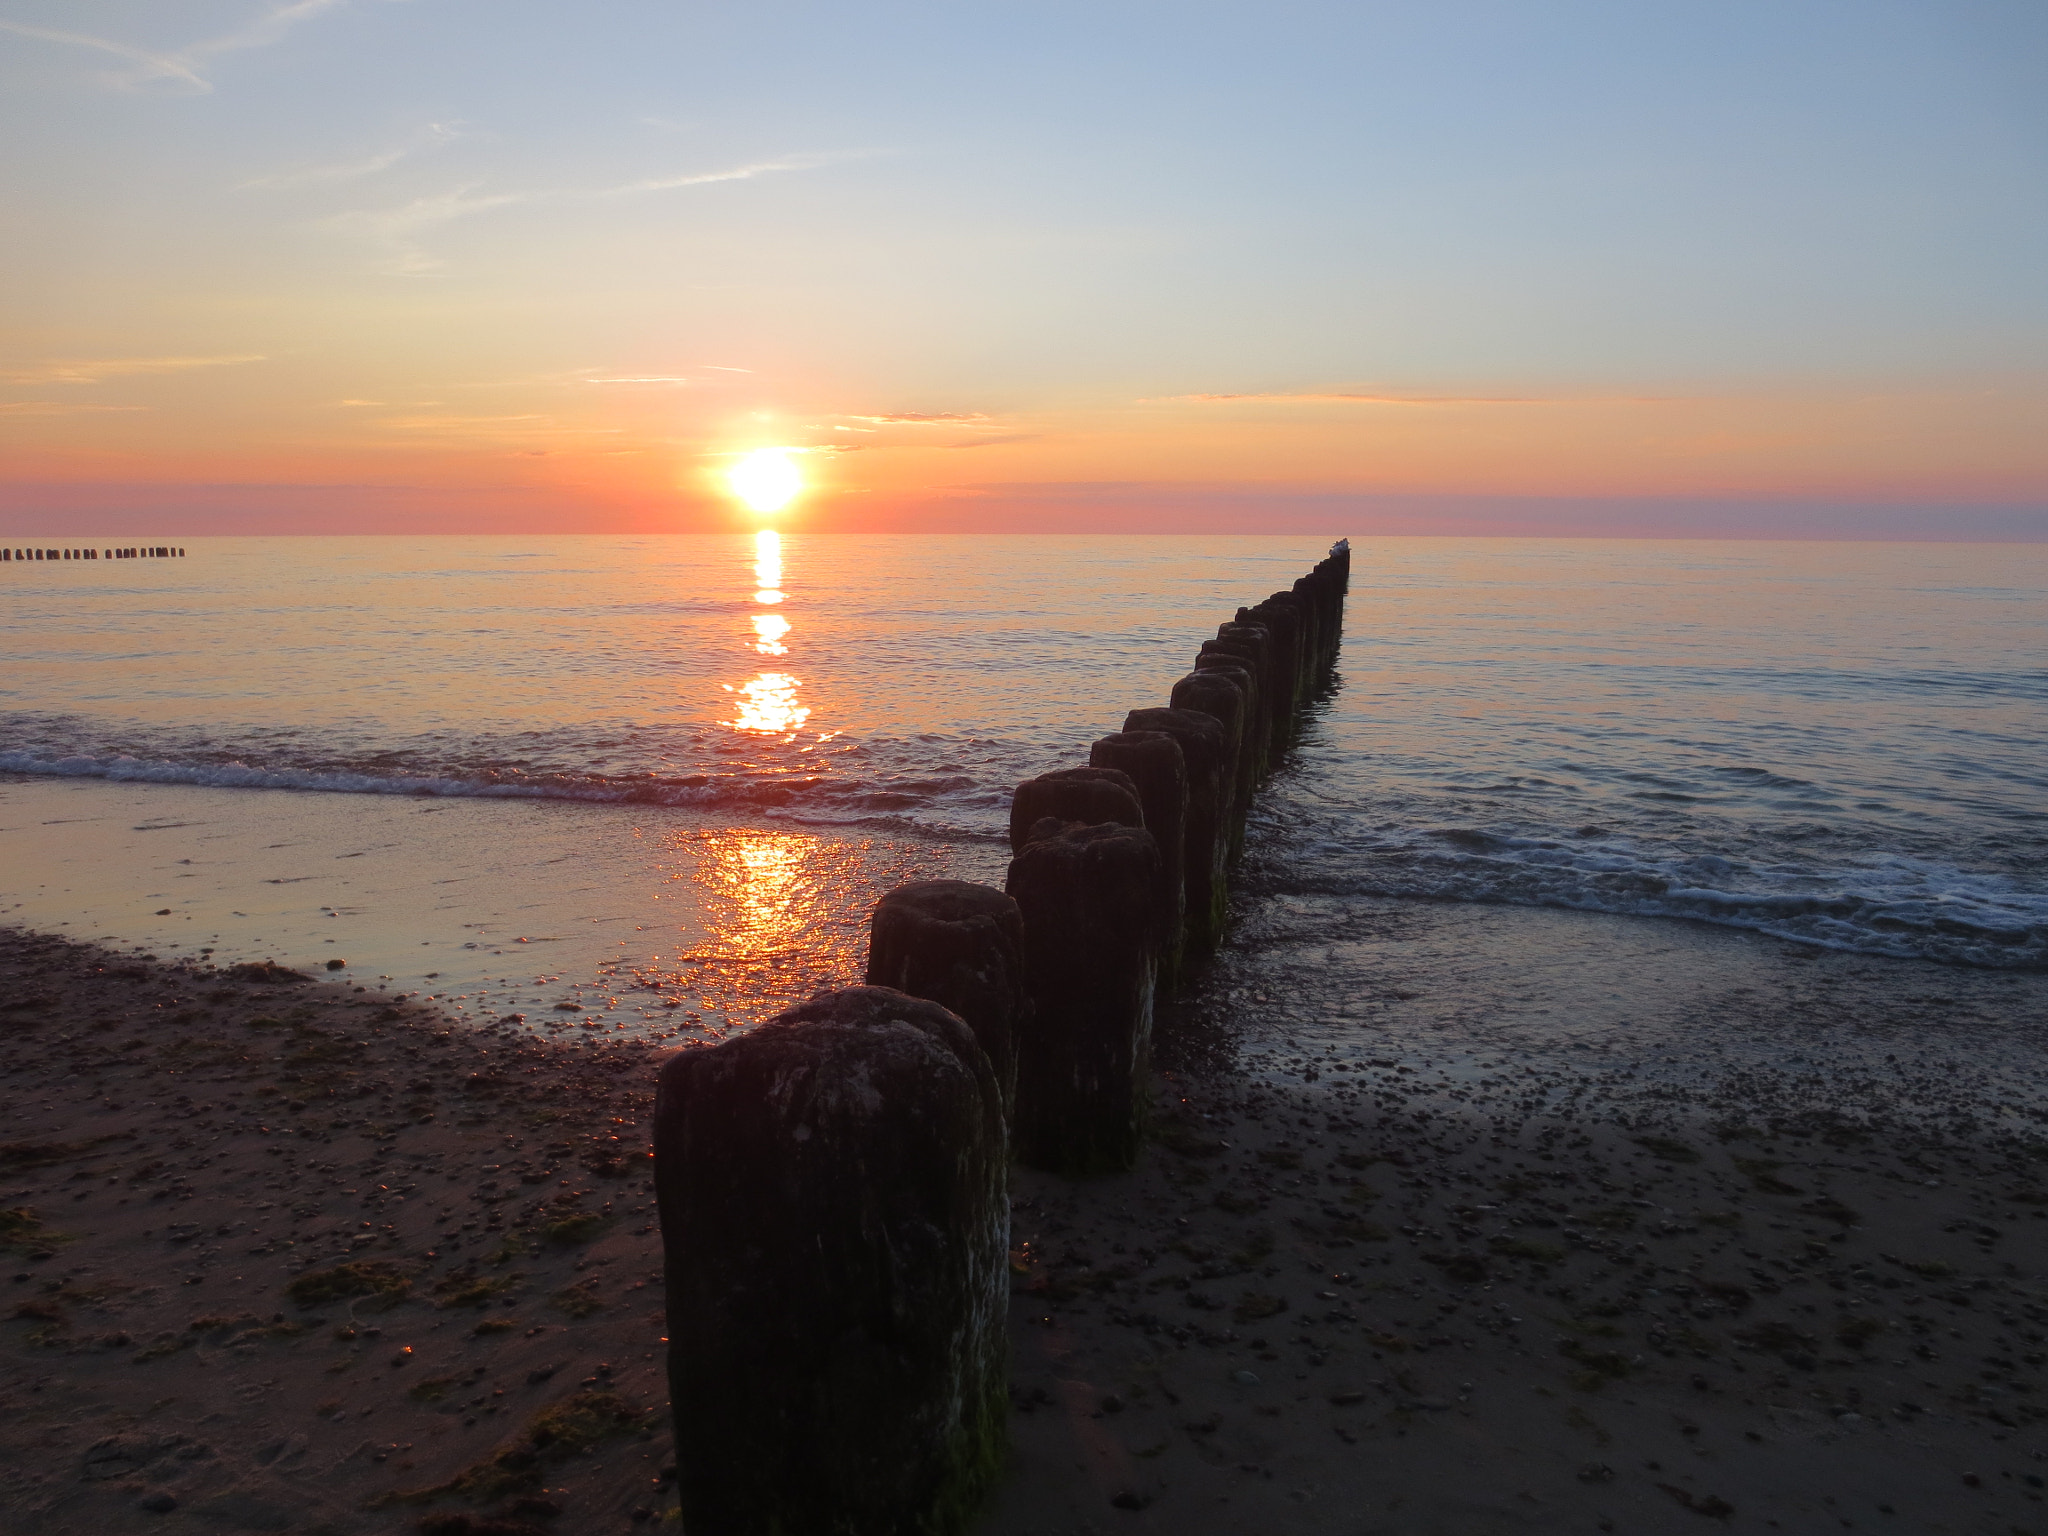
1842	744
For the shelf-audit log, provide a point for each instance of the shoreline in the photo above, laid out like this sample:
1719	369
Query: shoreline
1471	1305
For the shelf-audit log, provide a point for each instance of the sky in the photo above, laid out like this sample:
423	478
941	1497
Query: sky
1748	267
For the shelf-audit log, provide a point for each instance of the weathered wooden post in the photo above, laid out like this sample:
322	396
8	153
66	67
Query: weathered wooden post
1087	795
1283	623
1225	656
1235	671
835	1220
1205	863
1090	897
1220	696
1254	644
959	945
1287	617
1154	763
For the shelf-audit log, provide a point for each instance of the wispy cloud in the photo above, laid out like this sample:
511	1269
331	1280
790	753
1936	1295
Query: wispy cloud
706	178
645	378
525	426
925	419
1362	397
182	67
149	66
397	227
98	369
59	408
1327	397
353	170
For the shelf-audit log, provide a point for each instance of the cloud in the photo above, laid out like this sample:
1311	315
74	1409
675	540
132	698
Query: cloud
182	66
352	170
644	378
706	178
154	66
525	426
394	227
58	408
98	370
925	419
1331	398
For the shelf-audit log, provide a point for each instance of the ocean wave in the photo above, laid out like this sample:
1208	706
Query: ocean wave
1877	903
956	806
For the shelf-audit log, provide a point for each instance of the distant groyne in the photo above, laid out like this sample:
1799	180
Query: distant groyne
130	552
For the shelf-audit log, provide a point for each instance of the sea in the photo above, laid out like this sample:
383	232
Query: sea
1837	745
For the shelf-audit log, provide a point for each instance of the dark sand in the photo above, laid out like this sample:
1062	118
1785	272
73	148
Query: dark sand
1458	1220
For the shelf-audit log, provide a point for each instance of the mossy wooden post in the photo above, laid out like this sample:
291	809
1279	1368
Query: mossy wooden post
960	945
1310	626
1219	696
1235	674
1283	622
1205	861
1226	656
1322	590
1090	898
1087	795
835	1220
1254	642
1154	763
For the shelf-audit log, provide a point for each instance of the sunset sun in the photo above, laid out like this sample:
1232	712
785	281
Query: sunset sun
767	479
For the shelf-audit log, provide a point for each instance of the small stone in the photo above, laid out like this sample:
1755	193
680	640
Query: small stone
1245	1378
159	1503
336	965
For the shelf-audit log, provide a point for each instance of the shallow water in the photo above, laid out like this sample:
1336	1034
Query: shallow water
1841	744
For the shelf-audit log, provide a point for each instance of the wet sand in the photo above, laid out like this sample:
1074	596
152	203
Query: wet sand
1437	1234
489	905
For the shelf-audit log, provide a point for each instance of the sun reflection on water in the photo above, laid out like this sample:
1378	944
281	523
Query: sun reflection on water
767	560
768	703
779	916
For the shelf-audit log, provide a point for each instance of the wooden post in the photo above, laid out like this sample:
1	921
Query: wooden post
1154	763
1205	862
1221	696
961	946
835	1221
1089	897
1087	795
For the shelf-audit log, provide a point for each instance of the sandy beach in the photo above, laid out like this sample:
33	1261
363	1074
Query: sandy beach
286	1256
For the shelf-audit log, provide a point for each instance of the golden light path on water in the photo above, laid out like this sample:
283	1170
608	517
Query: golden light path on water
770	889
775	921
767	703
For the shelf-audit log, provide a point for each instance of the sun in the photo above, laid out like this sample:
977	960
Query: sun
767	479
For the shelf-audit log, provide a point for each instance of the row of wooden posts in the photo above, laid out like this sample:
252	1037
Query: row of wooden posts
133	552
834	1185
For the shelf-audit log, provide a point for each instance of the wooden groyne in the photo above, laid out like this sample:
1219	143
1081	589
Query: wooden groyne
130	552
833	1186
